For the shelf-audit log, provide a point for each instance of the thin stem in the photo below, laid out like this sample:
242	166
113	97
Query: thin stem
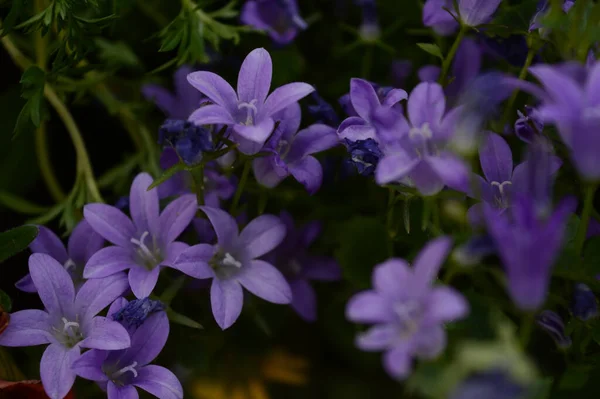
367	62
526	329
588	206
448	60
389	222
198	179
522	75
240	187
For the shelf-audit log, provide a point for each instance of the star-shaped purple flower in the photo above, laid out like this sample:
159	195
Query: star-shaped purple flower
120	372
143	245
232	263
249	111
408	312
299	266
279	18
440	20
69	322
291	152
83	243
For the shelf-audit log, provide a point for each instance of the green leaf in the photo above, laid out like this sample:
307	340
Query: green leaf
32	81
183	320
5	301
432	49
167	174
575	377
15	240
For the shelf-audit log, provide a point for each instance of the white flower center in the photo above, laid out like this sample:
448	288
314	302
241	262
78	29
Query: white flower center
421	139
68	334
251	111
408	314
229	260
69	264
130	368
148	257
501	199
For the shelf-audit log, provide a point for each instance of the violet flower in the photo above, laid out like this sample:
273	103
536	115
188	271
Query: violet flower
299	267
279	18
364	155
408	312
189	141
322	111
528	246
133	314
552	323
120	372
494	384
528	126
69	322
476	12
181	103
584	305
83	243
440	20
143	245
369	28
232	263
290	152
250	111
417	151
400	71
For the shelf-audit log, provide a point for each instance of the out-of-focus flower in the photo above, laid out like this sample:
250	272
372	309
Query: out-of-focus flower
408	312
400	71
476	12
83	243
279	18
232	263
552	323
584	305
249	111
528	126
495	384
369	28
322	111
440	20
474	250
69	322
144	243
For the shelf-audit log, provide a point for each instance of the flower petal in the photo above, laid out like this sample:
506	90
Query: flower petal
313	139
265	281
322	268
426	104
96	294
110	223
267	172
392	168
397	362
363	97
377	338
142	281
211	114
55	370
262	235
284	96
254	79
394	96
428	262
53	283
496	159
194	261
148	340
109	260
563	89
215	88
355	128
103	333
160	382
431	342
256	133
452	171
444	304
368	307
84	242
121	392
161	97
47	242
27	328
224	224
176	217
89	365
304	299
26	284
143	204
227	300
173	250
391	277
425	179
308	172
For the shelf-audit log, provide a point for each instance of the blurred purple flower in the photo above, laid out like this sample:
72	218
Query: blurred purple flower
69	322
143	245
369	28
400	71
495	384
250	111
528	126
440	20
584	305
178	105
119	372
299	267
429	73
408	312
474	250
232	263
83	243
552	323
322	111
477	12
290	151
279	18
528	246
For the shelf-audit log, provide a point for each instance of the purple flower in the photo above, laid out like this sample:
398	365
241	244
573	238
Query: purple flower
369	28
584	305
429	73
408	312
178	105
528	246
322	111
552	323
232	263
400	71
299	267
250	111
495	384
528	126
476	12
364	155
575	110
119	372
188	140
83	243
474	250
440	20
69	322
134	313
143	245
279	18
417	151
290	152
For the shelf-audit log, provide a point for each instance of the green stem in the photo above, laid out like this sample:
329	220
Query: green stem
448	60
41	149
588	206
367	62
389	222
522	75
198	176
240	187
526	329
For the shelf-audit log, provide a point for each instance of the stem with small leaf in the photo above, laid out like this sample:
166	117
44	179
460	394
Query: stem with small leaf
240	187
448	60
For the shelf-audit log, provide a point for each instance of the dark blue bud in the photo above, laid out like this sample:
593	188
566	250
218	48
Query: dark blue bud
188	140
584	305
529	125
552	323
137	311
322	111
364	154
474	250
494	384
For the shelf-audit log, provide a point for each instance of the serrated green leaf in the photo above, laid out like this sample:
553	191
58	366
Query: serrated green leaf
432	49
16	240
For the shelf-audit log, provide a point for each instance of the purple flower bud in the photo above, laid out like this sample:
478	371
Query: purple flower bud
188	140
529	125
137	311
474	250
552	323
364	155
584	305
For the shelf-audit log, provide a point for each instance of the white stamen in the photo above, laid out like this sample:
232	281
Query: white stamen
501	185
424	131
126	369
145	250
229	260
69	264
360	161
251	109
68	324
